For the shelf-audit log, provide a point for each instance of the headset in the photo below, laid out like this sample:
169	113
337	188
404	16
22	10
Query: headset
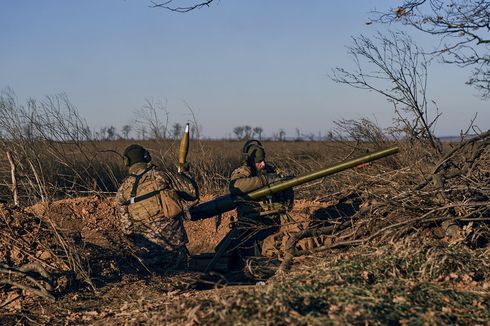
249	144
146	154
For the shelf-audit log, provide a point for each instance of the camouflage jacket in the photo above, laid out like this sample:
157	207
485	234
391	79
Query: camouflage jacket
243	180
156	205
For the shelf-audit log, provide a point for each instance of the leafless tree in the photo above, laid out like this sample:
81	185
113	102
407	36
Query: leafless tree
359	131
238	131
141	132
111	133
463	27
195	131
50	146
299	136
282	135
397	69
248	131
125	130
176	130
258	131
170	5
153	117
101	133
196	128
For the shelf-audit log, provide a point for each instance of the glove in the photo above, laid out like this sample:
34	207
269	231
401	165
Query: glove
287	176
285	197
273	177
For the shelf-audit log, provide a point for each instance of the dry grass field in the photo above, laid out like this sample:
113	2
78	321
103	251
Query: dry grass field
403	240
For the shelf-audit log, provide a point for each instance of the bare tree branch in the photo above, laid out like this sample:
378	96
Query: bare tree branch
168	5
396	68
463	27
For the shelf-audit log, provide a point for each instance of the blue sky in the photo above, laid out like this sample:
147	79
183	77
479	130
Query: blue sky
254	62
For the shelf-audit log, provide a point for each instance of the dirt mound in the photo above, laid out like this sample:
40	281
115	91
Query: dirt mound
94	218
204	235
37	258
126	295
58	248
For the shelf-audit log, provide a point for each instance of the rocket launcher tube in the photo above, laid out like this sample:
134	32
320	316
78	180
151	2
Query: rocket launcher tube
283	185
228	202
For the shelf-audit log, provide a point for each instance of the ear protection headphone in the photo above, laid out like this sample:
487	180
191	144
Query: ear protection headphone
246	147
146	155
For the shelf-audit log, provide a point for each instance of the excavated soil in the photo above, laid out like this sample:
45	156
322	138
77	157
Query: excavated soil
83	233
96	220
116	278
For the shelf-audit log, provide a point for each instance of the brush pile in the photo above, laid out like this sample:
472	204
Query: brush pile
449	203
37	258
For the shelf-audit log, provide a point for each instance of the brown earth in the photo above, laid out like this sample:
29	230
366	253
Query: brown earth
409	244
96	220
116	278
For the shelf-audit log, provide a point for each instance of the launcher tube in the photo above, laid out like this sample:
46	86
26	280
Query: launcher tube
228	202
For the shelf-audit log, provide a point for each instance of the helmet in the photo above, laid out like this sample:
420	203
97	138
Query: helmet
253	151
135	154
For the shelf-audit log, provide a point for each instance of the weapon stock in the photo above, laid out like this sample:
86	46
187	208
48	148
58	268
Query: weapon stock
228	202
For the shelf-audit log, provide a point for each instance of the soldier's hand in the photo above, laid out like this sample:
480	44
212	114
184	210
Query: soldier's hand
185	167
285	175
273	177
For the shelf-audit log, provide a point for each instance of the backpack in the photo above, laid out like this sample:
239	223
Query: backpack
146	202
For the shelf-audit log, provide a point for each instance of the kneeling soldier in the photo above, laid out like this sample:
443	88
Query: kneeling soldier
152	205
257	220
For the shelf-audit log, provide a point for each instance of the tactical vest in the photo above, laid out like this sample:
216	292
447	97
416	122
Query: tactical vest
146	202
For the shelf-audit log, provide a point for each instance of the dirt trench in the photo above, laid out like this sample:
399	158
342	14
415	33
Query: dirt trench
91	223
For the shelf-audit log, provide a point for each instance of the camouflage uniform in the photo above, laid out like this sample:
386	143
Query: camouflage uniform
256	220
152	214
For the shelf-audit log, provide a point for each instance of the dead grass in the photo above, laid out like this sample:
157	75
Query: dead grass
390	257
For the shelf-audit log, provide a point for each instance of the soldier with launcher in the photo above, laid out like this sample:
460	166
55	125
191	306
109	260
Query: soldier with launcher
257	220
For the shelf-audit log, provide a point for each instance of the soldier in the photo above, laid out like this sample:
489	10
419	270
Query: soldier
256	220
153	205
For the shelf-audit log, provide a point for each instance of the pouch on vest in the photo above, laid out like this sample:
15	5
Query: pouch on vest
170	203
147	209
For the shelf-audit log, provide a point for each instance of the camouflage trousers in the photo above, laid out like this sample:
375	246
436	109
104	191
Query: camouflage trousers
251	233
158	259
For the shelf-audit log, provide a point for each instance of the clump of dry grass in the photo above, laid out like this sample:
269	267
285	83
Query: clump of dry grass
448	201
37	258
399	283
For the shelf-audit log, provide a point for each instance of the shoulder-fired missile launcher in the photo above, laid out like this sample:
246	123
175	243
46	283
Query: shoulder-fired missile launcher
229	202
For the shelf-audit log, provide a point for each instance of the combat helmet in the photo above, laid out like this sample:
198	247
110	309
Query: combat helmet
136	154
253	152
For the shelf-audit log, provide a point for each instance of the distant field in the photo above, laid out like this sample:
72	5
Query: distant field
56	170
